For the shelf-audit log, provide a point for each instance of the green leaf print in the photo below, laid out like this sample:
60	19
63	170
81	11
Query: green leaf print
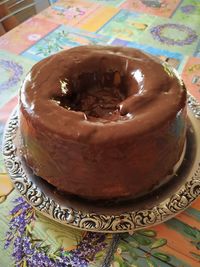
162	256
149	233
151	263
128	257
134	255
140	249
134	244
193	232
159	243
142	240
124	246
118	259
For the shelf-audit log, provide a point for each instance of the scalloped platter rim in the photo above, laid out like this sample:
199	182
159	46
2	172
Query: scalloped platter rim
157	207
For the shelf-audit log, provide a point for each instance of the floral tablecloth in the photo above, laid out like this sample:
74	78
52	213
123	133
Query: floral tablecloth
168	29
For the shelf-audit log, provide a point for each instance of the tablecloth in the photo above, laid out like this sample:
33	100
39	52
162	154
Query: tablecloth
167	29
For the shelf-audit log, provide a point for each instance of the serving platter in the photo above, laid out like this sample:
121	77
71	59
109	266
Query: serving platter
114	217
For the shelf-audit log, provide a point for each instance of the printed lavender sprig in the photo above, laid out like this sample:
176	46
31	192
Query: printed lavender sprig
188	9
15	69
21	216
28	251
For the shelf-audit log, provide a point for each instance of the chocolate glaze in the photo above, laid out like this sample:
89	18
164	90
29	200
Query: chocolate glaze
95	102
102	122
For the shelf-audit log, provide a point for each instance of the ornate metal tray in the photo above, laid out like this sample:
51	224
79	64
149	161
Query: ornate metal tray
157	207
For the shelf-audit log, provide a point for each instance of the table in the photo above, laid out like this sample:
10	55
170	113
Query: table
168	29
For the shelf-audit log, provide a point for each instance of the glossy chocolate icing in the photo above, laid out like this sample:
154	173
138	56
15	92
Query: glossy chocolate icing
102	122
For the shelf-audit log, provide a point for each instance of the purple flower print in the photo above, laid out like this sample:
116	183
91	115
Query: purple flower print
15	69
34	253
158	34
18	223
188	9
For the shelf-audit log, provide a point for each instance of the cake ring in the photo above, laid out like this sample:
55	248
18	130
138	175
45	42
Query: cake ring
113	118
105	216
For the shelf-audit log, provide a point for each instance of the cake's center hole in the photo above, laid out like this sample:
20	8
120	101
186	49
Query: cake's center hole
96	96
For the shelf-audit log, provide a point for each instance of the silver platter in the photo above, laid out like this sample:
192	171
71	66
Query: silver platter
157	207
